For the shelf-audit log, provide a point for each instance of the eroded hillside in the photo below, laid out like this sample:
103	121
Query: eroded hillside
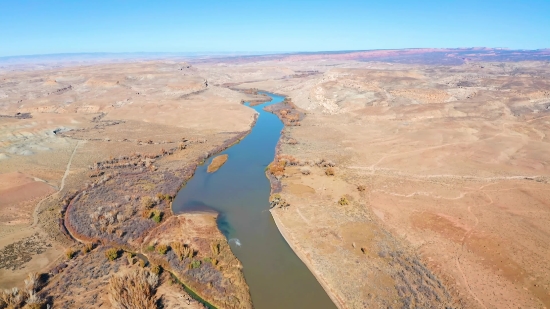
440	176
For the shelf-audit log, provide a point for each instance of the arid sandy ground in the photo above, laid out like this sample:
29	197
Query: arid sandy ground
440	191
62	129
453	164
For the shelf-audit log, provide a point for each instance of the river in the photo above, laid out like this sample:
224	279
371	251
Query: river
239	192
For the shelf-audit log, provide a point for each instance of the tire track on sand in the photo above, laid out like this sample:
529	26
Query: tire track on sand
39	204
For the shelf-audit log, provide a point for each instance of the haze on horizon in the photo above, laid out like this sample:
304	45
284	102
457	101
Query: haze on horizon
52	27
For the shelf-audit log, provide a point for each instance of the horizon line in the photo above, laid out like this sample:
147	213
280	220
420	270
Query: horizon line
263	53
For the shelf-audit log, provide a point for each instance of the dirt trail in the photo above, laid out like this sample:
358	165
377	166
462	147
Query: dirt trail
472	177
457	259
36	209
372	167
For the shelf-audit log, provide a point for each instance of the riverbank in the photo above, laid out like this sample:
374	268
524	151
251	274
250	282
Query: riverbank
131	157
338	301
283	110
119	229
320	212
239	192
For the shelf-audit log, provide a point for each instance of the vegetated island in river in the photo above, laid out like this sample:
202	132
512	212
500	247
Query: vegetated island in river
216	163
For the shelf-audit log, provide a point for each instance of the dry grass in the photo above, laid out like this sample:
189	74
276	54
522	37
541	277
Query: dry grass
216	163
70	253
133	290
215	248
13	298
147	202
23	298
156	269
130	258
181	250
162	249
141	263
88	247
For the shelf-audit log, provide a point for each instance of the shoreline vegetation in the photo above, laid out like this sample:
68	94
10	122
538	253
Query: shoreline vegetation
198	293
157	211
105	215
96	218
290	115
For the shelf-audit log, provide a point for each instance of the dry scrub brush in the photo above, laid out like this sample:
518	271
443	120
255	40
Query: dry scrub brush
343	201
215	248
181	250
15	298
162	249
147	202
133	290
88	247
32	281
70	253
277	169
111	254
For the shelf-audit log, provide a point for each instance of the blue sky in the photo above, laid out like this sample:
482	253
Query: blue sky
44	27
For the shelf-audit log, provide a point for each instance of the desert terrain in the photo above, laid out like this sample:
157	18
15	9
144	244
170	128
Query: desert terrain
403	179
92	157
439	192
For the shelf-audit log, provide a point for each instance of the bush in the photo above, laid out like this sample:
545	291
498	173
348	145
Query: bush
146	213
329	171
141	263
195	264
178	249
182	251
156	269
305	171
166	197
112	254
150	248
277	168
162	249
88	247
130	257
70	253
343	201
34	301
215	248
134	290
157	216
361	188
147	202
